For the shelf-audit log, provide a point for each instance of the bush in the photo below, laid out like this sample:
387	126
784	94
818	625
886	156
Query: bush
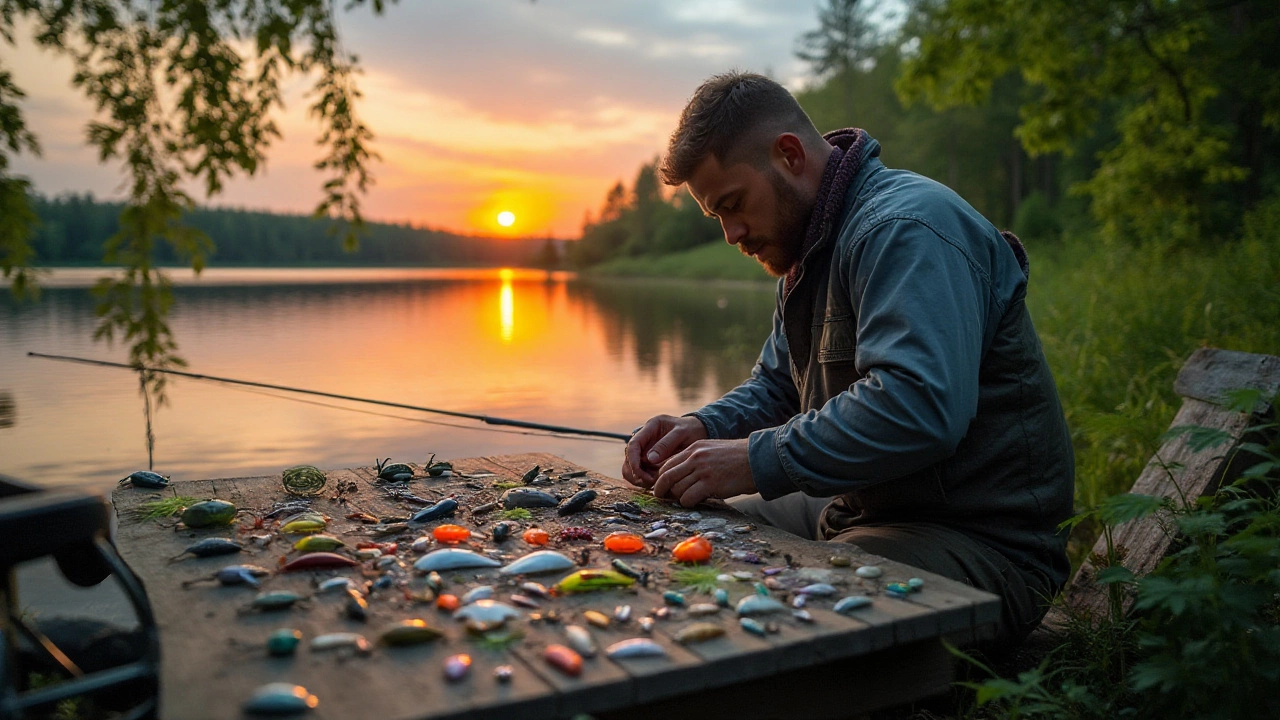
1036	219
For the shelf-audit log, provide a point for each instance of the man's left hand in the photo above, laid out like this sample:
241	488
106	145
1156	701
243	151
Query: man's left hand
706	469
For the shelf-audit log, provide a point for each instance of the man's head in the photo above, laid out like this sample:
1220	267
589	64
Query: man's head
753	160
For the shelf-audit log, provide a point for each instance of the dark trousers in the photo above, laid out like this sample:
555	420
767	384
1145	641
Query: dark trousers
929	546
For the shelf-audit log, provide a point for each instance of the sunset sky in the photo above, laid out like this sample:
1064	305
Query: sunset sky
479	107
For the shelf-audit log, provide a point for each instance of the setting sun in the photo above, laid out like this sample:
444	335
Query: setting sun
506	218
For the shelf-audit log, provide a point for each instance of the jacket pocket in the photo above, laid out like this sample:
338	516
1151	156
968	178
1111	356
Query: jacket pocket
839	341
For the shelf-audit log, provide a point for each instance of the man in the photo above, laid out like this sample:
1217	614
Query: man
902	402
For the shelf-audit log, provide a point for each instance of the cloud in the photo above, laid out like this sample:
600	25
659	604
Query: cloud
552	101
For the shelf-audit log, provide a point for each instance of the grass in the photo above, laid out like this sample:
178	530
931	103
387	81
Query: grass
1118	322
713	261
164	507
700	578
516	514
646	500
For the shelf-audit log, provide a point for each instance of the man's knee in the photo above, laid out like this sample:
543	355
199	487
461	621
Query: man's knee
796	513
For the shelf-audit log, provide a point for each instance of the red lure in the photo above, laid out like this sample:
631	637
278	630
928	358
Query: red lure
318	561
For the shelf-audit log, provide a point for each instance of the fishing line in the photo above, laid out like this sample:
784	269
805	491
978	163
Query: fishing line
439	423
487	419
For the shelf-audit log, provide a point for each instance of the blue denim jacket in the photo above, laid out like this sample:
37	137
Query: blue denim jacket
903	375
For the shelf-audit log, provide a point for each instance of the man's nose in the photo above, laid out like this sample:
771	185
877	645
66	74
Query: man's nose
734	231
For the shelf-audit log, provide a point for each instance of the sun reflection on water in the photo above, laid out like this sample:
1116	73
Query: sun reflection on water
506	303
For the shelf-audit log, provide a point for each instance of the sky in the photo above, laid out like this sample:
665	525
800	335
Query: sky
478	107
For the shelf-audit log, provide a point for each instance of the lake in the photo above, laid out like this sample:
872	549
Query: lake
603	354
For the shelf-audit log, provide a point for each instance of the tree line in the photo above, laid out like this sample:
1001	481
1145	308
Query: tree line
73	229
1149	123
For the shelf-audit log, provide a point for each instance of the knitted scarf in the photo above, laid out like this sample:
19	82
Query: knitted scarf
842	167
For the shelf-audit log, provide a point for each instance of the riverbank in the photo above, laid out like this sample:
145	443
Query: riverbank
713	261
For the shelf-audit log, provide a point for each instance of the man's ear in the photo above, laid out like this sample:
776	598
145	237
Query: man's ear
788	153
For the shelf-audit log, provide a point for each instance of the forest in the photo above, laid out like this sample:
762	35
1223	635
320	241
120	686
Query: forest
1138	122
73	230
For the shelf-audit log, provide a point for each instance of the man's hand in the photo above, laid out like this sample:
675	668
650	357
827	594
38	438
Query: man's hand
658	439
706	468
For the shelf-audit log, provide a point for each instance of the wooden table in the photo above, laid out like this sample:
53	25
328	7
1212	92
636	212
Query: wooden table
213	654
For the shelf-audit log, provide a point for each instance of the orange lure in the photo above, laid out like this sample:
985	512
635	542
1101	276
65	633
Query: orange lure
451	534
694	550
536	536
623	543
564	660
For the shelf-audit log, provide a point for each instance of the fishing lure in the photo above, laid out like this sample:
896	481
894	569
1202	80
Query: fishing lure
318	561
442	509
542	561
210	547
208	514
696	549
145	479
587	580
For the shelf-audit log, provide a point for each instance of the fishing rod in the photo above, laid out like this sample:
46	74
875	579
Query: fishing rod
487	419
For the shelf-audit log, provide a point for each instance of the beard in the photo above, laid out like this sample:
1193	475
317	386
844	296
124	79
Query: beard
779	248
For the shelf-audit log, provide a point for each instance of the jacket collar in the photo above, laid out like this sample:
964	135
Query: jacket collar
850	148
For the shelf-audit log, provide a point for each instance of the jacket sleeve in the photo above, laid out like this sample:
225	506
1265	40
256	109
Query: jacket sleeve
922	309
766	399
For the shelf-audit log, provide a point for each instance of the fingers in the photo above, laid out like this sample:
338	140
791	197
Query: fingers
640	478
674	470
680	435
634	468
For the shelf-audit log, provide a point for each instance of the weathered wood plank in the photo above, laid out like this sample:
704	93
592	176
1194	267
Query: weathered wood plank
213	651
1210	373
1176	471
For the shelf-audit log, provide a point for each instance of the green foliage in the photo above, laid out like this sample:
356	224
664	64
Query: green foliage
845	38
1204	639
970	149
710	261
1186	87
1117	322
701	578
1036	219
182	90
642	222
164	507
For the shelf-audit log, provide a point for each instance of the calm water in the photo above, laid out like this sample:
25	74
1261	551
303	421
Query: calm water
598	355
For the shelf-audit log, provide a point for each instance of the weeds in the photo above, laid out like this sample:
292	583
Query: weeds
1203	639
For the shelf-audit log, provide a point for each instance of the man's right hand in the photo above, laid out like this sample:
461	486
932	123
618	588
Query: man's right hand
658	439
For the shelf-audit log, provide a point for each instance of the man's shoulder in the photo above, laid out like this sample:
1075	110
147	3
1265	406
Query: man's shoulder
888	195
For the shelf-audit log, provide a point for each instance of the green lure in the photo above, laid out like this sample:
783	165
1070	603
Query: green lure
586	580
302	527
318	543
208	514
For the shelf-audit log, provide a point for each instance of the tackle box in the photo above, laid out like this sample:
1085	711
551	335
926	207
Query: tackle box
74	529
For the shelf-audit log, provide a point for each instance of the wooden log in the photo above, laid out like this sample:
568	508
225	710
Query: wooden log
1176	471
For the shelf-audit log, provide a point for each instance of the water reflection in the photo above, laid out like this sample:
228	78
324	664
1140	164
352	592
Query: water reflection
707	335
599	355
507	308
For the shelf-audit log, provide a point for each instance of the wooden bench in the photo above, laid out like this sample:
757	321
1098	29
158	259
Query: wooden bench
1177	471
837	666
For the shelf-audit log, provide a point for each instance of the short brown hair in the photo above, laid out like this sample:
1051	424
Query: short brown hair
729	115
